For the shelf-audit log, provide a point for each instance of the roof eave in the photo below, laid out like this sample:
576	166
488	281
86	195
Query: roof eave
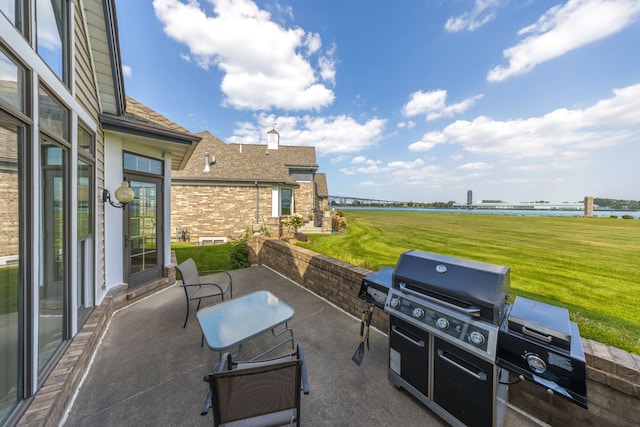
247	181
181	145
111	24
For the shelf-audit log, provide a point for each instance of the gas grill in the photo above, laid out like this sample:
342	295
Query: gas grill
453	339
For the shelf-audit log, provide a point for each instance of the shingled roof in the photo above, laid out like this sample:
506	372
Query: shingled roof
153	129
246	162
322	190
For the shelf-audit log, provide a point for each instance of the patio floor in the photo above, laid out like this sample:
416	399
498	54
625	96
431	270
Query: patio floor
148	370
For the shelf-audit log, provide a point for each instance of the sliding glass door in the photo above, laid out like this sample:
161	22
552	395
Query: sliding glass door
11	266
52	285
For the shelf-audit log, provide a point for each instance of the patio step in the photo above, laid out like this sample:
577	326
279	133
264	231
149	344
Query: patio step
309	228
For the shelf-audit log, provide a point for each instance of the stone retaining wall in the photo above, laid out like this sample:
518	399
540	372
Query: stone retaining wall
613	375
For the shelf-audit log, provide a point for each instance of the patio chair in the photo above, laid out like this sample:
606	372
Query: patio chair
259	393
197	287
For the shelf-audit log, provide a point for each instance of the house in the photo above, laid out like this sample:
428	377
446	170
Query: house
322	191
69	137
227	190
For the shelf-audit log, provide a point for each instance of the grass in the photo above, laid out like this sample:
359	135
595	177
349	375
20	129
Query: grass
588	265
207	257
9	289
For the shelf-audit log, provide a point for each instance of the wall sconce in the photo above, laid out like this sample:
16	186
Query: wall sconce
124	194
208	161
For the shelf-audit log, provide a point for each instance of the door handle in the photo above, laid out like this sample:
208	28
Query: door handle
406	337
481	376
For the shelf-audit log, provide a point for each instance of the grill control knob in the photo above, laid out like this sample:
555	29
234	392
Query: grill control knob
395	303
418	313
442	323
536	364
476	338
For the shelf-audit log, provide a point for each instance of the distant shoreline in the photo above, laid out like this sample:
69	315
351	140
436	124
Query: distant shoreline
602	213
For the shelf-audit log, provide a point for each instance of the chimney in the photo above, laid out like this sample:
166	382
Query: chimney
273	139
208	161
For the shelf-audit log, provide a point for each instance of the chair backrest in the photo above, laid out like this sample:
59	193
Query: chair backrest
255	391
189	272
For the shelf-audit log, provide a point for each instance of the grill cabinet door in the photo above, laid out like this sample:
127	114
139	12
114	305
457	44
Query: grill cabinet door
463	384
409	350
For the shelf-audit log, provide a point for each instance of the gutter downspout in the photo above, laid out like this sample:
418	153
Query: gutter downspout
257	203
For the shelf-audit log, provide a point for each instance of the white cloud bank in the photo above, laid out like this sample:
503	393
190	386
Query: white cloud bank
564	28
264	64
330	135
559	133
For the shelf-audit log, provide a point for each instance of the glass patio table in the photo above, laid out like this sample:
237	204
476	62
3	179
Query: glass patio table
229	324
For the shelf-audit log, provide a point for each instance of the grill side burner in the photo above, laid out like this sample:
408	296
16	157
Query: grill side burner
539	343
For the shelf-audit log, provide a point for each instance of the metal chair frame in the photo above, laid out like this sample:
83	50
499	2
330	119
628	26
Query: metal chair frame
198	287
257	393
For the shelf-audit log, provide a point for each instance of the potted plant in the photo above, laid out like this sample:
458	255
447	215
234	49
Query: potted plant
294	221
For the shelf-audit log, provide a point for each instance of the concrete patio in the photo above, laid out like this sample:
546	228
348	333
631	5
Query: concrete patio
148	370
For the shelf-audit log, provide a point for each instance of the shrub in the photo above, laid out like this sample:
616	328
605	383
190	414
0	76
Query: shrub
338	222
294	221
301	237
239	254
627	216
613	216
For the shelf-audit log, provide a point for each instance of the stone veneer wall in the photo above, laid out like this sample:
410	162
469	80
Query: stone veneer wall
217	211
613	375
9	214
227	210
304	199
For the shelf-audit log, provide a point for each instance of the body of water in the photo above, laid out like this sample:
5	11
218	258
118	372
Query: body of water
517	212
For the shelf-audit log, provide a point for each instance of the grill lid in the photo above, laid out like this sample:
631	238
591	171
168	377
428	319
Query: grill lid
543	322
471	287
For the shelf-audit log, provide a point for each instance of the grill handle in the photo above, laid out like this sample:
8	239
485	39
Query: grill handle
534	334
480	376
471	311
406	337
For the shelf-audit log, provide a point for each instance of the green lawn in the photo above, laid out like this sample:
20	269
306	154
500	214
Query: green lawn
207	257
591	266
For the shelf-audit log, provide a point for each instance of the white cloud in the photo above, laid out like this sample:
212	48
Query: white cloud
127	71
428	141
358	160
406	165
564	28
562	135
482	13
327	64
475	166
399	168
409	124
433	104
330	135
264	64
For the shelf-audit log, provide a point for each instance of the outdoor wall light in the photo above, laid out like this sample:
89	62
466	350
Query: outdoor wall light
124	194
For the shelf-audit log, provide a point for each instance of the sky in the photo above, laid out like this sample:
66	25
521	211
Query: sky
516	100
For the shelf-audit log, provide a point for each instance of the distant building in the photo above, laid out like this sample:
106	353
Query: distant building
588	206
469	197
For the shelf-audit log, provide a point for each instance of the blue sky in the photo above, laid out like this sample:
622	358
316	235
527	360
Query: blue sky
410	100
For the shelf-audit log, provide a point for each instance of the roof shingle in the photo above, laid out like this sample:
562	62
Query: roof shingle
246	162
